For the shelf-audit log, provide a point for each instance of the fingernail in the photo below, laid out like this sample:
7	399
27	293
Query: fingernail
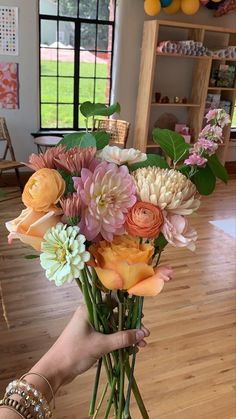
139	334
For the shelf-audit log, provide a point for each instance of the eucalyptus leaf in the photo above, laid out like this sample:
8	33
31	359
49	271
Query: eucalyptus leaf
172	143
217	168
152	160
89	109
204	180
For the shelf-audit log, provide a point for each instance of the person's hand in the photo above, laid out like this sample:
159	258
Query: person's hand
80	346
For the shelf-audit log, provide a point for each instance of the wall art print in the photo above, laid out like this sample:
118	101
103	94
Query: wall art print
9	86
8	30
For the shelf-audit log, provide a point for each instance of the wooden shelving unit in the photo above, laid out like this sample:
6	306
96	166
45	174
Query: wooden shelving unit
150	60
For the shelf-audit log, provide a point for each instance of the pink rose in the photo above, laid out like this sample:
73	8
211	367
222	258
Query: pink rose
177	231
31	226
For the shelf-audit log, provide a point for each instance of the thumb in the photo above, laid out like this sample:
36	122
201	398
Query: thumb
122	339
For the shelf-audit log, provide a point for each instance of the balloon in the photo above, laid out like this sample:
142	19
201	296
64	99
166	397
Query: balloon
190	7
152	7
173	8
165	3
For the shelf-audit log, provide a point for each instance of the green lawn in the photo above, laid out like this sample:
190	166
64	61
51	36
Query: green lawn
64	85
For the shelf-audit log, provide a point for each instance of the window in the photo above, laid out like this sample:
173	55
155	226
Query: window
76	49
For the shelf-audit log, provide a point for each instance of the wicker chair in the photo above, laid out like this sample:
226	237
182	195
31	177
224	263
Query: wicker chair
118	130
8	148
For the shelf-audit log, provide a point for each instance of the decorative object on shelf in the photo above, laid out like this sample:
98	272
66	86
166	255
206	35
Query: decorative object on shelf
226	75
226	105
190	7
184	100
9	86
228	6
176	99
189	47
173	8
227	53
157	97
212	101
184	130
166	120
165	99
152	7
165	3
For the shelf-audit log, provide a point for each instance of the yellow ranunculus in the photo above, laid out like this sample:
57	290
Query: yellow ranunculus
126	264
31	226
43	190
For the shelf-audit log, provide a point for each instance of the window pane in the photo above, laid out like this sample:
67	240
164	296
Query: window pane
68	8
106	9
86	90
49	116
48	8
66	89
66	62
48	32
102	90
48	89
47	62
88	9
87	64
88	36
66	35
65	116
104	38
103	61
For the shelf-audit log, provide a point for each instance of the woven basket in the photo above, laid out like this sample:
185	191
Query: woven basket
118	130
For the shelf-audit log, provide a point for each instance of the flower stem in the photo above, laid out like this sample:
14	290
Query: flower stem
136	392
121	365
110	398
85	285
95	388
100	402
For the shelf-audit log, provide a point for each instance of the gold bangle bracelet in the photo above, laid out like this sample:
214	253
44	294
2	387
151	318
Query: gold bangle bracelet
17	407
46	380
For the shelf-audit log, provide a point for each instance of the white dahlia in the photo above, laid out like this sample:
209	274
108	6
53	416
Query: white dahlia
121	156
170	190
63	253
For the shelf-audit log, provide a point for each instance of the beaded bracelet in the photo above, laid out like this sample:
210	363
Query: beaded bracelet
17	407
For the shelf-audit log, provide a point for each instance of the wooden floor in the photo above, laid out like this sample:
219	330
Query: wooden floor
188	369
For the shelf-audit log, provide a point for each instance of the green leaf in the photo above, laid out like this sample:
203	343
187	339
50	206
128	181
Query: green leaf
69	181
102	138
89	109
219	171
152	160
31	257
172	143
160	243
79	139
204	180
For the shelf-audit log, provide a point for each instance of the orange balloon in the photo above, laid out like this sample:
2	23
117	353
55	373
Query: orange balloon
190	7
172	8
152	7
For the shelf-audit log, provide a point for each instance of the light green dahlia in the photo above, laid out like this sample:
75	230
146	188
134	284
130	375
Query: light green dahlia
63	253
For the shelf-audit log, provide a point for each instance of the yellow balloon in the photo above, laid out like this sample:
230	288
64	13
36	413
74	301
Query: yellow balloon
190	7
152	7
216	1
172	8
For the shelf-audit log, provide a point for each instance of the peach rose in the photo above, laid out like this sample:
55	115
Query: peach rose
43	190
144	220
31	226
125	264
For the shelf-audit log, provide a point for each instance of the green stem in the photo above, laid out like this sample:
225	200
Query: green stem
95	388
85	289
110	398
136	392
121	365
100	402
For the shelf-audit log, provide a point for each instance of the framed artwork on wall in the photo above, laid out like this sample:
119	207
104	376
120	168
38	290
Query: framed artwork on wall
9	86
8	30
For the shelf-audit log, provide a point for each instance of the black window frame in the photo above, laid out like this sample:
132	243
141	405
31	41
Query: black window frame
76	77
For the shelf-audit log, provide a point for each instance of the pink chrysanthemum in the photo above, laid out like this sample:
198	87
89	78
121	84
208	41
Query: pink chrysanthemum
47	159
71	206
107	194
76	158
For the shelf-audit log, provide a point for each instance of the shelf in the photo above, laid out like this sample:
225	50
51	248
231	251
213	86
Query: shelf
230	89
180	105
223	59
152	145
169	54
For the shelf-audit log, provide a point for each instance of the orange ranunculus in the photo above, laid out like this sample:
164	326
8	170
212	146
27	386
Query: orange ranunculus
125	264
144	220
31	226
43	190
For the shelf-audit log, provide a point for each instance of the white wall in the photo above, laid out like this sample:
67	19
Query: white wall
21	122
131	17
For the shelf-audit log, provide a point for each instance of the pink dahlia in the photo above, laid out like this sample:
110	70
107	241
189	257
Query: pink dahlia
47	159
77	158
106	195
195	160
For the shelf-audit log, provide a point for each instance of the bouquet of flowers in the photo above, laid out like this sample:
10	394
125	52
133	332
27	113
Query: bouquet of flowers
102	216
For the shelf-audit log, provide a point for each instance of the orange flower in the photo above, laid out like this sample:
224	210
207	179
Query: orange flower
144	220
43	190
31	226
125	264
